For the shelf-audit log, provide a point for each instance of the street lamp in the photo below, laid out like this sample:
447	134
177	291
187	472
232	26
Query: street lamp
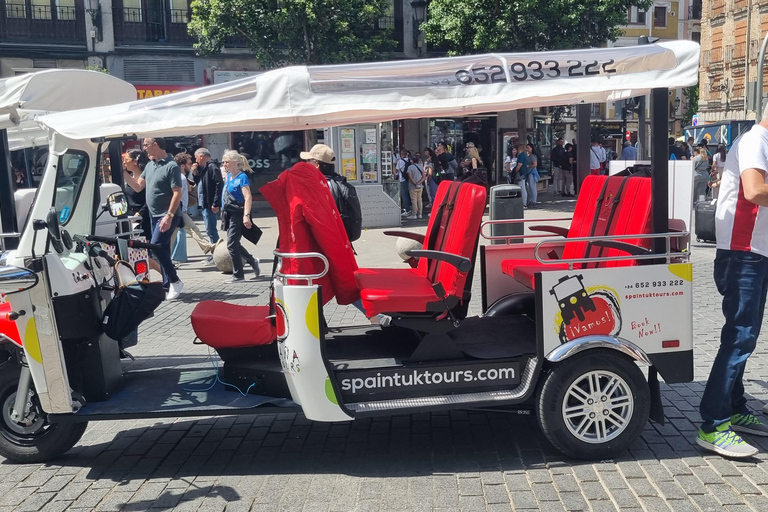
419	15
674	107
95	11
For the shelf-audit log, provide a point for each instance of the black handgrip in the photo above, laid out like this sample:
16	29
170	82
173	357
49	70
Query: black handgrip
138	244
94	251
103	254
103	239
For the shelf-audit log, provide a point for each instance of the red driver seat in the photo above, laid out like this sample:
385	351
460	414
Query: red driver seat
615	205
453	231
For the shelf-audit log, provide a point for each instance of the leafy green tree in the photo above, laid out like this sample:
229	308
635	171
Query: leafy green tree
477	26
692	104
481	26
299	31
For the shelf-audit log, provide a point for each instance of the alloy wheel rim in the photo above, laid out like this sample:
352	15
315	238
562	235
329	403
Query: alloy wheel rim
598	407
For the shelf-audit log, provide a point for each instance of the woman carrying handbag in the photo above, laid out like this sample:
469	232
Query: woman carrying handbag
236	216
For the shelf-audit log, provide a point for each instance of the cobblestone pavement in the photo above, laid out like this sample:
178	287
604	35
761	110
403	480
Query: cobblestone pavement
444	461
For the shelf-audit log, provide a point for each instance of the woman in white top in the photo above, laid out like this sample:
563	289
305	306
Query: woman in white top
718	164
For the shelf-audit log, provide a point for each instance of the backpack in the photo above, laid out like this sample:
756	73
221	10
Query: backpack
348	204
453	165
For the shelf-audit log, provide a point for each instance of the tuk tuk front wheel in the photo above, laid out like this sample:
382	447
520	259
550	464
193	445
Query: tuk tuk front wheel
31	439
593	405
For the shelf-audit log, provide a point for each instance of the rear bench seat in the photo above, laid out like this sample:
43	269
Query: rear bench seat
614	205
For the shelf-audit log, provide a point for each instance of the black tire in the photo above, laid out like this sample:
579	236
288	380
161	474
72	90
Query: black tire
42	441
579	435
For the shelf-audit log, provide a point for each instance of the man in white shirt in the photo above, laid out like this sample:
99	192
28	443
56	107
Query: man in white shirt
596	157
741	277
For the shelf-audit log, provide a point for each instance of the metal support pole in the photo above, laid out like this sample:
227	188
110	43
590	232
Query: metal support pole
660	166
642	130
583	142
759	91
7	202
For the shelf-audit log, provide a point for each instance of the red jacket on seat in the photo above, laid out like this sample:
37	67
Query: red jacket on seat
310	222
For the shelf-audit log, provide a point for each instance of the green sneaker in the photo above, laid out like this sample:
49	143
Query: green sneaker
748	424
725	442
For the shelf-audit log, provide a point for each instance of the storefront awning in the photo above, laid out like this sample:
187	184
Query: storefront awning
304	97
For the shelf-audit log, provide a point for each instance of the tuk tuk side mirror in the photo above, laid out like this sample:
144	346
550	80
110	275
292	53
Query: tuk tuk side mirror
52	223
16	279
117	204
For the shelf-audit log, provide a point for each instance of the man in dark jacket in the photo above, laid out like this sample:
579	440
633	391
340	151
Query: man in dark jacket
209	186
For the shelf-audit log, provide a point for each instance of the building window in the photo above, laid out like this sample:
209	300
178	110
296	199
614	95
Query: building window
132	11
635	15
41	9
179	11
659	16
15	8
696	37
65	10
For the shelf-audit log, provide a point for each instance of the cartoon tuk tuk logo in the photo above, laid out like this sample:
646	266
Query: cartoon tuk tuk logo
585	312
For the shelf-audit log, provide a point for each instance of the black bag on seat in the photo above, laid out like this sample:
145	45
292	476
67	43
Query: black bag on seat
133	303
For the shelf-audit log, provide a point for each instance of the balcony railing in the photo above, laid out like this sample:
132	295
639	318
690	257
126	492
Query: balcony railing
41	23
134	25
694	12
395	25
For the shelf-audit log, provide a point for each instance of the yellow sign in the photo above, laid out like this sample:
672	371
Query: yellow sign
348	169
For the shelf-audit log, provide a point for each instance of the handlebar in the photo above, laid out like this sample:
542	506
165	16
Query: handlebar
134	244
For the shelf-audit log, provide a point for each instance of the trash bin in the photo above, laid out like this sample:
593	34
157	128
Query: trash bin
506	204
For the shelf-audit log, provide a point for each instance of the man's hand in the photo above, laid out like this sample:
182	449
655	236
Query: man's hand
215	209
195	169
247	221
165	224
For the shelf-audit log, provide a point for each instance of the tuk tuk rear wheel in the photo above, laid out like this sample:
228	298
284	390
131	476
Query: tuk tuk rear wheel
33	439
593	405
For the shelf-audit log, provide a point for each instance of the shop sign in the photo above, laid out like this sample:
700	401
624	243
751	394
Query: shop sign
150	91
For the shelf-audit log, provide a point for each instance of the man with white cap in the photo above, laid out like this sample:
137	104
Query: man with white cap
323	157
320	154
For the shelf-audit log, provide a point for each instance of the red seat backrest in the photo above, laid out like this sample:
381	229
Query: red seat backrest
614	205
455	230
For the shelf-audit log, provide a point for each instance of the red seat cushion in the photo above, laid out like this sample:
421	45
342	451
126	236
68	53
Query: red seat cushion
223	325
388	290
525	273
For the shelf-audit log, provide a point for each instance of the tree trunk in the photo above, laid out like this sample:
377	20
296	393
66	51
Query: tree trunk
522	129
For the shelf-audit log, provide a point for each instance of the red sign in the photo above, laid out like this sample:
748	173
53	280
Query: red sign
150	91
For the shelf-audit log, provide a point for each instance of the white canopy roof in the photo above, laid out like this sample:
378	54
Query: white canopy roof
24	98
304	97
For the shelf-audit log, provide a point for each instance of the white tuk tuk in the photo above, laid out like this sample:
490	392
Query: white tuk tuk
567	322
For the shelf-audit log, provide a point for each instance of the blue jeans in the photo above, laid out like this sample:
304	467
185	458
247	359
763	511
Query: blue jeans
210	219
405	196
741	278
179	244
163	255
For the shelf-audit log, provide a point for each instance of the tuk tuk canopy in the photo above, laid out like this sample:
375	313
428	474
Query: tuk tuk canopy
23	98
307	97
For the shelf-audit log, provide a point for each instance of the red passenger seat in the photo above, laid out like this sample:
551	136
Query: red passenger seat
615	205
454	228
223	325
